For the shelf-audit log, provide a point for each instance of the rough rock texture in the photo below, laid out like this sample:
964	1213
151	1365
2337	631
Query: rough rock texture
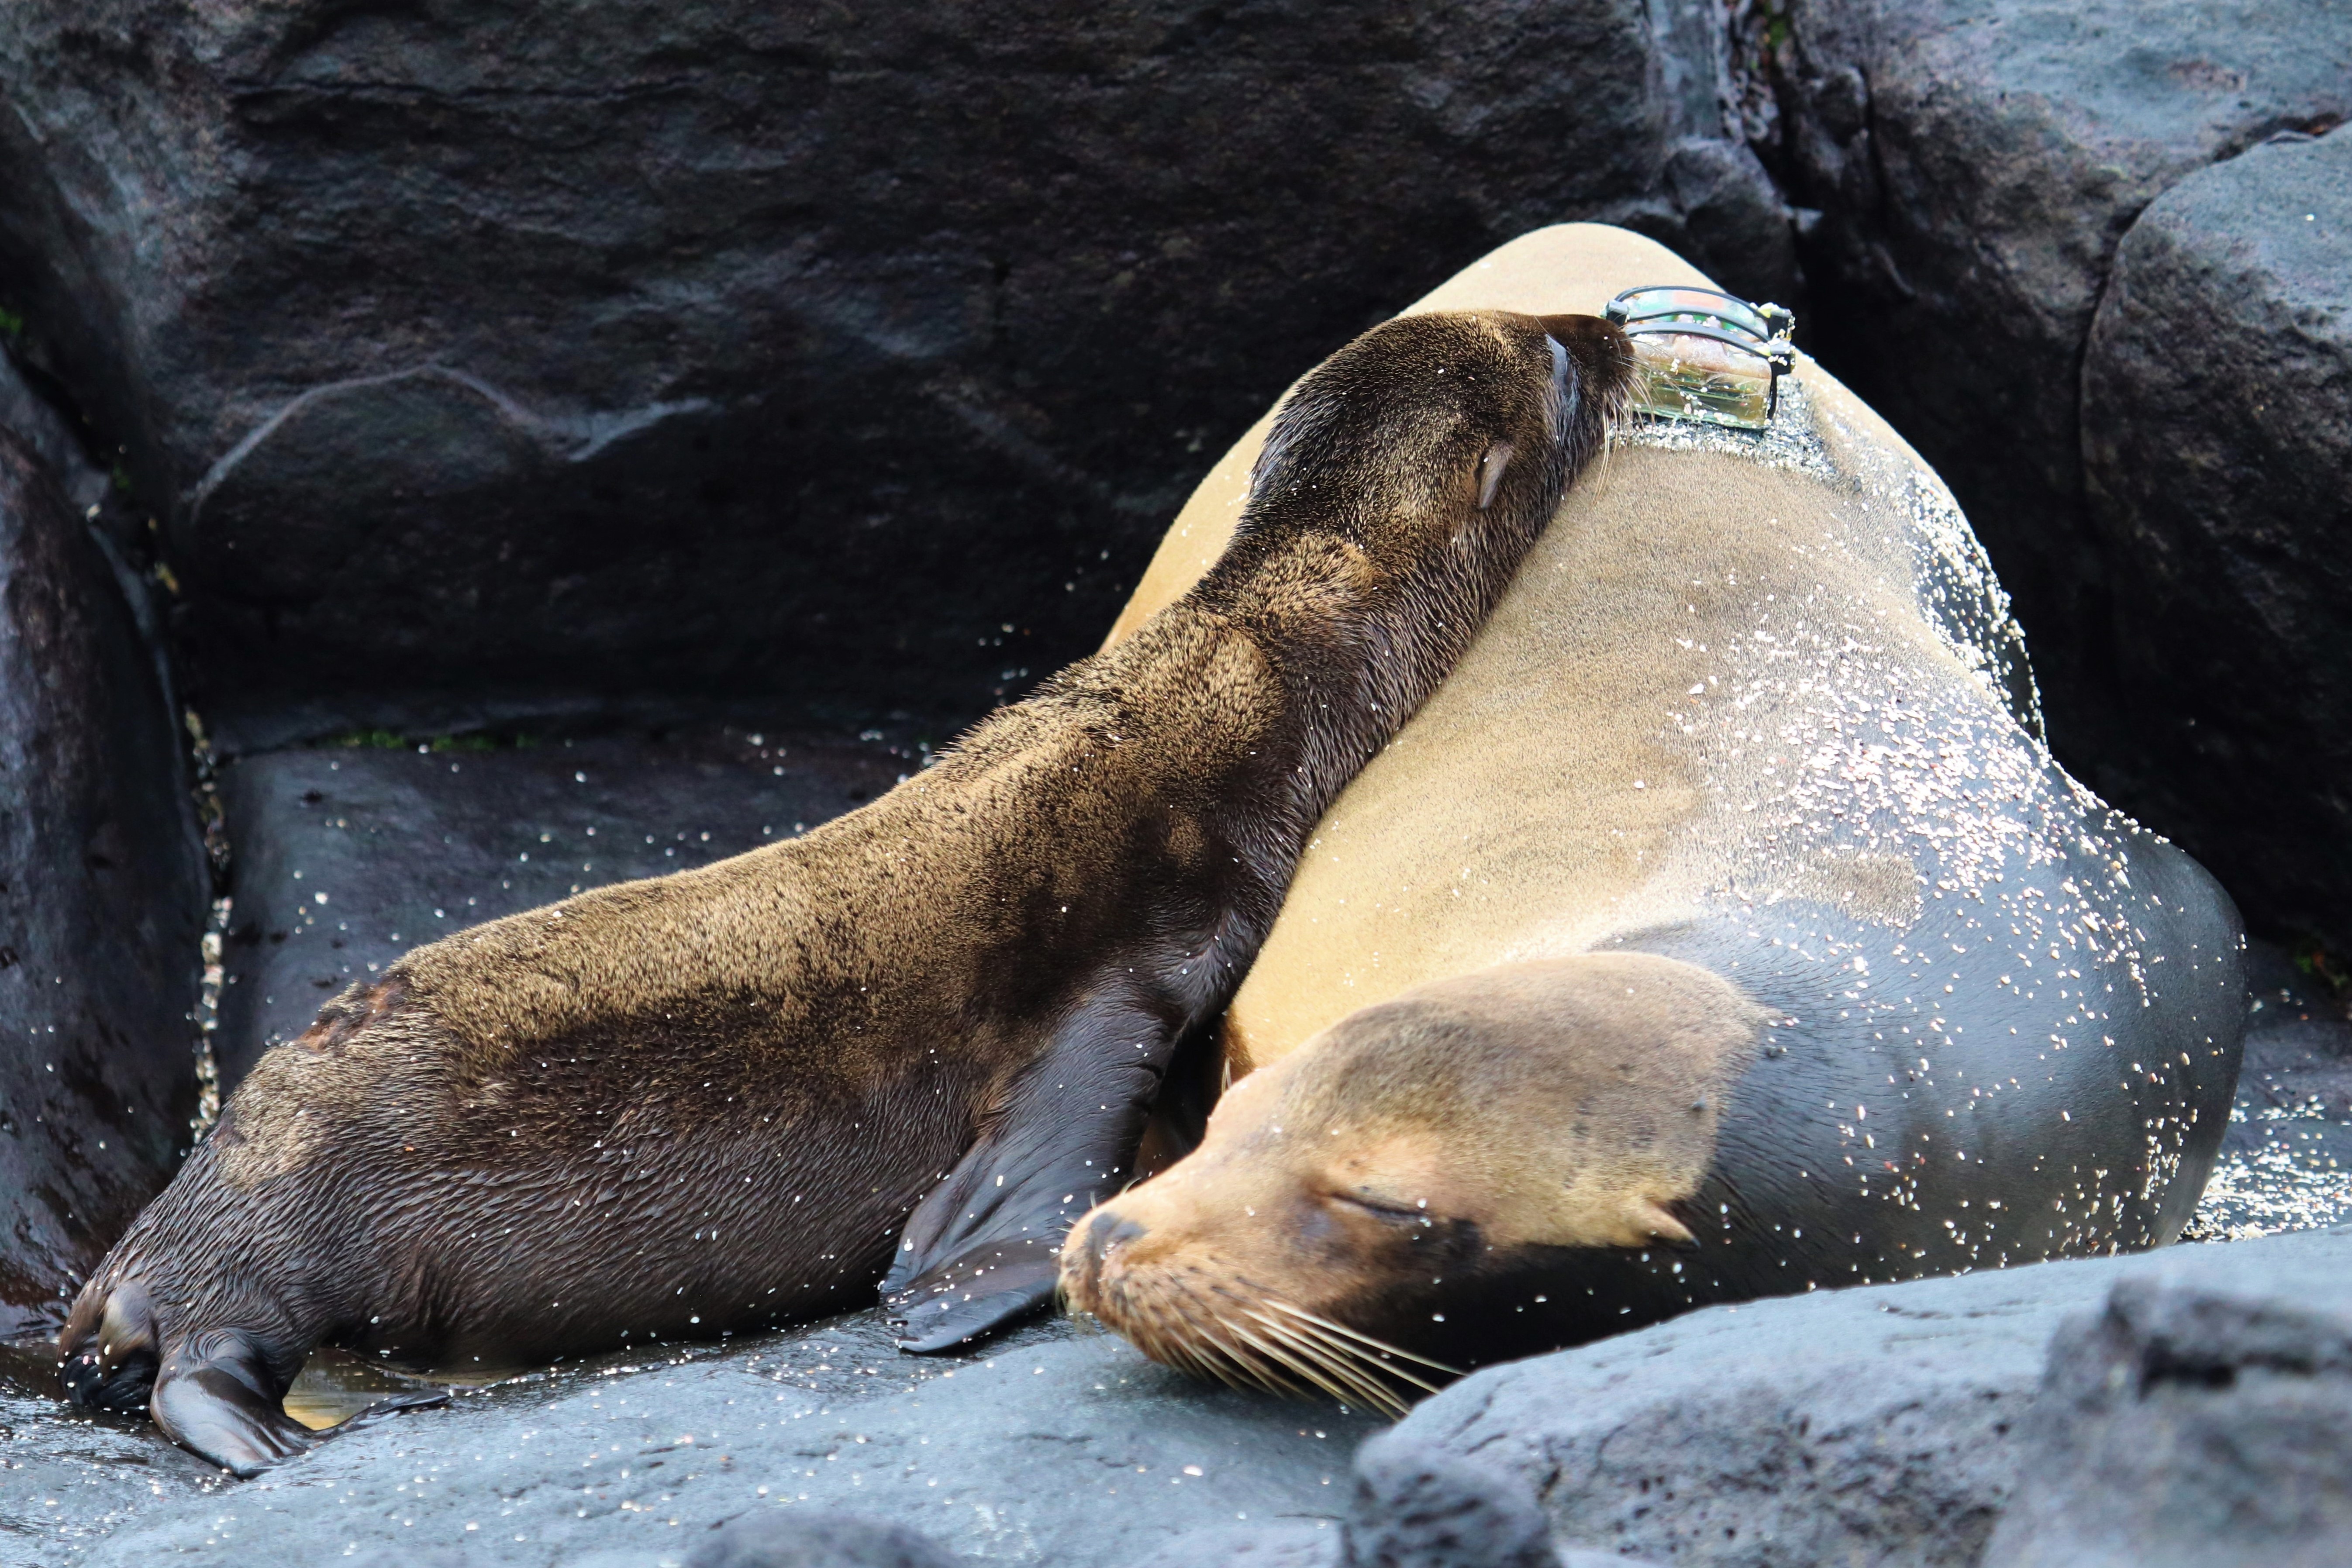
30	417
102	897
2199	1421
1247	1546
1974	165
1867	1426
2216	433
1415	1506
657	346
66	1477
1419	1507
348	856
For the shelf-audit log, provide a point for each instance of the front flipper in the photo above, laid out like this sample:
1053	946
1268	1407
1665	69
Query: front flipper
983	1246
214	1398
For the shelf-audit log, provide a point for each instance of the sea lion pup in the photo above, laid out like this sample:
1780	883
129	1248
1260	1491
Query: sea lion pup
725	1100
1721	928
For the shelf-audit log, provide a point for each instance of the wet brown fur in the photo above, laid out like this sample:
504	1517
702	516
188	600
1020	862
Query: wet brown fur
711	1101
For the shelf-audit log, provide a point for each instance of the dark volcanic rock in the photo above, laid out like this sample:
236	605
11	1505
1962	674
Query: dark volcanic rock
2199	1421
349	856
103	889
68	1477
1869	1426
2216	431
717	344
1873	1427
1975	164
37	426
1419	1507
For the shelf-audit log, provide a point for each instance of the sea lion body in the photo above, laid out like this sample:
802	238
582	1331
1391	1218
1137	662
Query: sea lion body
920	1038
1754	710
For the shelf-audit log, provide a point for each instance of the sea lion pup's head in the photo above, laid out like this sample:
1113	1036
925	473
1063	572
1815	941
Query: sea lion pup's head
1456	427
1411	1155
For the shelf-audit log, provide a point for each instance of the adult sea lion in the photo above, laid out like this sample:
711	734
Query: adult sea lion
1721	928
920	1038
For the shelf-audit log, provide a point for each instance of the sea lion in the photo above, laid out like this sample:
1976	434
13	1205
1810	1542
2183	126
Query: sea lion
1721	928
920	1039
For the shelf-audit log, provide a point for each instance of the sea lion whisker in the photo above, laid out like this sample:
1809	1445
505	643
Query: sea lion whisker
1284	1355
1382	1346
1337	1377
1381	1370
1344	1361
1371	1375
1188	1356
1257	1374
1228	1368
1197	1353
1244	1352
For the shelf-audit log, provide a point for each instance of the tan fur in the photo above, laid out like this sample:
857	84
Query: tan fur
1578	780
1558	714
1567	1103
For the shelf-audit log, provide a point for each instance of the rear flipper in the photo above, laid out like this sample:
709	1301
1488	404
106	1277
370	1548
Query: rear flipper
215	1398
215	1393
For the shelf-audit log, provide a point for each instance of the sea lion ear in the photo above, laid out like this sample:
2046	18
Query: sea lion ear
983	1247
1656	1219
1601	352
1490	472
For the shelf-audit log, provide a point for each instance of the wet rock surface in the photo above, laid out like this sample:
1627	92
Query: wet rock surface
68	1479
2216	431
103	889
1968	171
1057	1447
2200	1417
2285	1162
348	856
637	347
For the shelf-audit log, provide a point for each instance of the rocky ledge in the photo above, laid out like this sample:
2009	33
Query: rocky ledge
2193	1405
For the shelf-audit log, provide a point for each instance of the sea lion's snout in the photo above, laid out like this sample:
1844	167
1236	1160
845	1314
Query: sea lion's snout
1091	1245
1106	1232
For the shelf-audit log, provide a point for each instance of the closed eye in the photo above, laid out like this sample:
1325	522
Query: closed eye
1393	1213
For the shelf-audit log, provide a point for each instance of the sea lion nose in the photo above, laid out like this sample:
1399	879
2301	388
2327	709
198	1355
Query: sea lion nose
1107	1231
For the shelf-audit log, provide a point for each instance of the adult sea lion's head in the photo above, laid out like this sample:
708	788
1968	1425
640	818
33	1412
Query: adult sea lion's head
1410	1160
